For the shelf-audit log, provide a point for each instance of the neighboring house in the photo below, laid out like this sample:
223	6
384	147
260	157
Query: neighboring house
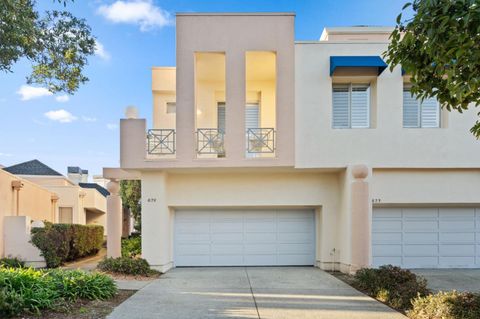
267	151
20	197
79	202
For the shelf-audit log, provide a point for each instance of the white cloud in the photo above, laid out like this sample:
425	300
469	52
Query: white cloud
112	126
140	12
89	119
6	154
101	52
28	92
61	116
62	98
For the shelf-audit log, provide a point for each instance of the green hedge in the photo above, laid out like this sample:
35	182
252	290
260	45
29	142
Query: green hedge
392	285
127	266
59	243
132	247
26	290
446	305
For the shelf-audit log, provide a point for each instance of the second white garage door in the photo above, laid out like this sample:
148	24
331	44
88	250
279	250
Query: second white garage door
244	237
445	237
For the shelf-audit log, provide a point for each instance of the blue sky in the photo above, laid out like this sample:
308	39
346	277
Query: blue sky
82	130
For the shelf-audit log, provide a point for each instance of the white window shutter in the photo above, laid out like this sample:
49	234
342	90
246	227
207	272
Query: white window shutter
360	106
341	112
411	110
430	113
221	117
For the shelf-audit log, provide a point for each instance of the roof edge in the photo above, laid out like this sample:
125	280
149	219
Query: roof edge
181	14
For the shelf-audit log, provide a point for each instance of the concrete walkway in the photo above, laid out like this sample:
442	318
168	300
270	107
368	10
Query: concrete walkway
258	292
88	263
451	279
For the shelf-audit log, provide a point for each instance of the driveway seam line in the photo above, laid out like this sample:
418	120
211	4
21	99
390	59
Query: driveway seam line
253	295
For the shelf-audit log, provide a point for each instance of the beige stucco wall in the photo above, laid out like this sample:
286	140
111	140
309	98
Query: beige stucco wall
388	144
34	201
426	187
162	193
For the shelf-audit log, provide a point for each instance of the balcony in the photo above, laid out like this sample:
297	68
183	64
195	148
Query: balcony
260	141
210	141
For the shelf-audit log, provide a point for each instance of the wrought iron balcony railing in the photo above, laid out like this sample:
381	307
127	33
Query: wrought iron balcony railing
210	141
161	141
261	140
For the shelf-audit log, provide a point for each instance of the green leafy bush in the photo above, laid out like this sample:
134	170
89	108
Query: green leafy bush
392	285
65	242
127	266
12	262
26	290
132	247
446	305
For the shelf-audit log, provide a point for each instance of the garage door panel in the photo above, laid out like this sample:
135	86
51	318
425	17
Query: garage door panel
420	250
268	225
420	262
226	249
223	237
428	237
457	250
448	213
293	226
420	213
421	225
457	237
387	225
248	237
386	237
295	238
457	262
260	237
457	225
420	237
194	249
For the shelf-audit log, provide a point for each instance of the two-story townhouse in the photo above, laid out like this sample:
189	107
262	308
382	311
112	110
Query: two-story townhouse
267	151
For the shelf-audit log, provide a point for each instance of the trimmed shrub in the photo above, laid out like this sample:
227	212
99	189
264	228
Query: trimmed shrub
392	285
132	247
26	290
127	266
446	305
13	262
65	242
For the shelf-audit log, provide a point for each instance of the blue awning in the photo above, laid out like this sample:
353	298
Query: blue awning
337	62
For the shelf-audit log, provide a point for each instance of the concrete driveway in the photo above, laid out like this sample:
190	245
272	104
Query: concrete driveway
451	279
253	292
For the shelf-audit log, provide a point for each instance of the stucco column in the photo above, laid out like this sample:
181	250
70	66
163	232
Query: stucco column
114	220
361	219
157	221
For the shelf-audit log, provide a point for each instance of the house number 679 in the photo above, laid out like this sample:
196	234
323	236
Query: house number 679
151	200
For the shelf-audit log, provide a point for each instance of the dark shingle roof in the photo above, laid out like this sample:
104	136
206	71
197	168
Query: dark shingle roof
34	167
99	188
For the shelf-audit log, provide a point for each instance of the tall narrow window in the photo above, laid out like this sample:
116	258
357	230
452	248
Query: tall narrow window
221	117
417	113
351	106
65	215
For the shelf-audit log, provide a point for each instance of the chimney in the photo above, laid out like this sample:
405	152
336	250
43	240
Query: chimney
84	176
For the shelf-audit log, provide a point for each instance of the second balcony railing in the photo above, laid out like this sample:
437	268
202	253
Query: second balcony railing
210	141
260	140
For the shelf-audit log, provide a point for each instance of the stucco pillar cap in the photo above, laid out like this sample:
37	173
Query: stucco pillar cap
131	112
113	186
360	171
17	184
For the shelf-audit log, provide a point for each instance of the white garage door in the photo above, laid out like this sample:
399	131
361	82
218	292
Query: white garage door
244	237
426	237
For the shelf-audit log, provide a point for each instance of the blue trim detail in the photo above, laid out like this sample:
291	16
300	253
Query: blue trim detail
357	62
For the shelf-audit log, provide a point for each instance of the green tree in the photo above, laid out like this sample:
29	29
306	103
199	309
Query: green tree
131	193
439	47
56	43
